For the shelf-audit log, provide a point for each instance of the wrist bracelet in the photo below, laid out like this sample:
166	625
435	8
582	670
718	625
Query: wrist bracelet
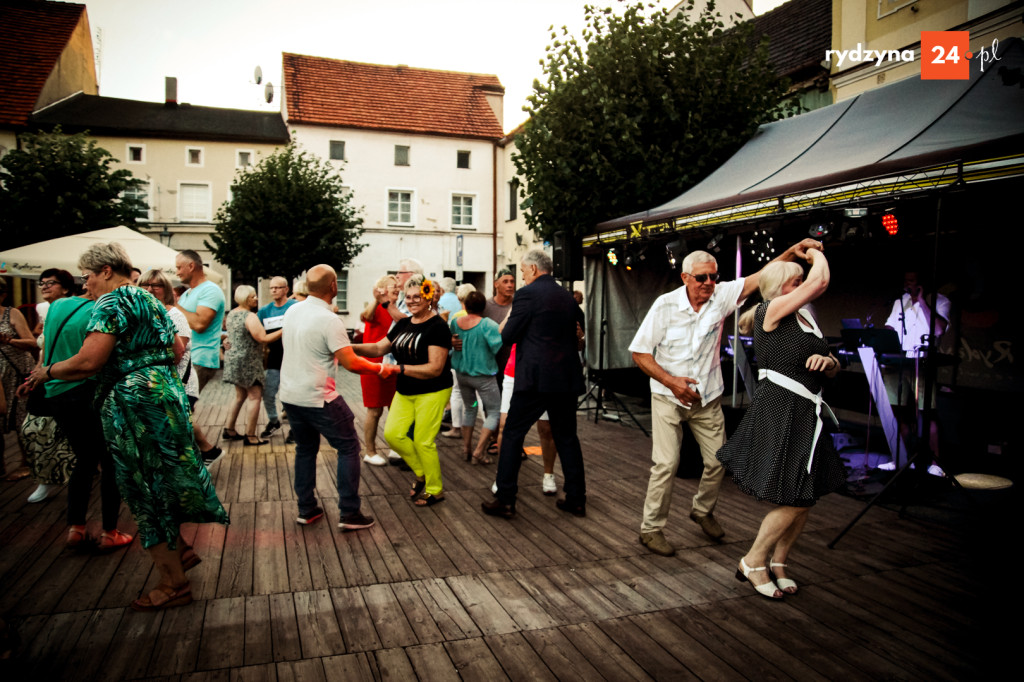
401	370
48	370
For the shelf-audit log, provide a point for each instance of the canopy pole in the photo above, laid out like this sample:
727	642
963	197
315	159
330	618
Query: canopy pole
736	319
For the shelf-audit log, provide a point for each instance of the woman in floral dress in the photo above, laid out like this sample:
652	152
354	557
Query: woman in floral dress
131	343
243	363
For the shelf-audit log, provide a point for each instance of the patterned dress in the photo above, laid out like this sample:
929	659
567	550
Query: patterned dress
243	362
768	452
15	365
159	470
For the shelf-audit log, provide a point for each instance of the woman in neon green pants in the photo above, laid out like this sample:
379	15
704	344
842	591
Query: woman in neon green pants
420	345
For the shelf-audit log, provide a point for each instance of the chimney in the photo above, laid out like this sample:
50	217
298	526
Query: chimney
170	91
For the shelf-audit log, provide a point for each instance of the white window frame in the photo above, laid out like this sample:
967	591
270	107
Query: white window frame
342	303
344	150
209	207
252	157
188	156
451	210
128	153
412	206
148	186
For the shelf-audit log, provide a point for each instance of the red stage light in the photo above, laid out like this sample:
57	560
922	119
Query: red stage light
891	225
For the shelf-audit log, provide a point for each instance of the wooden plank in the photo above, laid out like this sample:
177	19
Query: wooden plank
481	605
270	565
354	619
86	660
658	663
550	598
309	670
236	566
226	618
393	664
431	662
523	608
54	643
517	657
254	673
324	564
318	626
348	667
350	552
560	656
611	662
451	617
687	650
474	660
416	613
177	647
208	543
259	642
388	617
129	652
432	554
408	554
284	628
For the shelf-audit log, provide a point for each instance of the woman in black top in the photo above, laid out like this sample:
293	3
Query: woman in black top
420	345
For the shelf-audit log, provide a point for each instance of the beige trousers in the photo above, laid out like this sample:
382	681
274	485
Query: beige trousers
708	426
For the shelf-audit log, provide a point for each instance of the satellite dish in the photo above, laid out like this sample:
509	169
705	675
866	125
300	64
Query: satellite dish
258	75
268	92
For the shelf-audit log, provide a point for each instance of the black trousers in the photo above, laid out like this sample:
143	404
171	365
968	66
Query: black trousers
526	407
81	425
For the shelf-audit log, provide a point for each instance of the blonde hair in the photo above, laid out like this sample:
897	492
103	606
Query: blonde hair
463	291
301	289
773	277
242	293
371	307
154	276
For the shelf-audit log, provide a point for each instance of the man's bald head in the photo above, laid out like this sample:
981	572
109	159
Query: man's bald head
321	280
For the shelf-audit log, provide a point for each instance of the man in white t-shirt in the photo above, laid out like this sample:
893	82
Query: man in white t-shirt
677	345
315	341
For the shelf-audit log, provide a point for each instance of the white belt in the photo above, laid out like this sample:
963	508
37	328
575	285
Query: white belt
801	390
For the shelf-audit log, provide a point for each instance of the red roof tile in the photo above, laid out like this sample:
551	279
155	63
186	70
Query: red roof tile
32	37
334	92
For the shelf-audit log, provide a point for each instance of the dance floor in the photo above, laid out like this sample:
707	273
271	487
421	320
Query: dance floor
446	593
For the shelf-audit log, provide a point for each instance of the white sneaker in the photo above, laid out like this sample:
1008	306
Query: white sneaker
549	487
376	460
936	470
452	433
887	466
41	493
494	488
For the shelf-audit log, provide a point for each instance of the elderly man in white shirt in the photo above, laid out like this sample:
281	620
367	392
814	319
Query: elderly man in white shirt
677	345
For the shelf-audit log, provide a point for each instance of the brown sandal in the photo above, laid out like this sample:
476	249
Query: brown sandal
180	596
480	459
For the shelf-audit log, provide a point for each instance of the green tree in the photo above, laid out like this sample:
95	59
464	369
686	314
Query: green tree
640	110
286	214
58	184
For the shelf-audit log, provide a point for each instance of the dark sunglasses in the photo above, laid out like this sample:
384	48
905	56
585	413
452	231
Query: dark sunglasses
703	278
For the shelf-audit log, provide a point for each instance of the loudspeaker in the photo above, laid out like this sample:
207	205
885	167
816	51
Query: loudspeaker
567	256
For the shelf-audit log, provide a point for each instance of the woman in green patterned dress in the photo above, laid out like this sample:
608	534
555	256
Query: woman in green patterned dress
131	343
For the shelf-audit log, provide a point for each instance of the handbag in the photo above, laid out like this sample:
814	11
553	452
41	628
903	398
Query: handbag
38	403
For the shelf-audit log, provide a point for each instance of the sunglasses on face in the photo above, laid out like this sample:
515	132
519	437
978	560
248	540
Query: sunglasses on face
714	277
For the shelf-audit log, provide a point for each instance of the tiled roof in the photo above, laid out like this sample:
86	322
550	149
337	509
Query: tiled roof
132	118
32	37
798	32
333	92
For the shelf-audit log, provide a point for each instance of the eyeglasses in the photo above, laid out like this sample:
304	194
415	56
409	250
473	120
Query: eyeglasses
151	285
413	299
714	276
46	284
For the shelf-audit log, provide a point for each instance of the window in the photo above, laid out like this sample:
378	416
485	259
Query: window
142	194
136	153
337	150
401	155
244	158
399	207
194	156
513	198
462	159
194	202
341	300
462	210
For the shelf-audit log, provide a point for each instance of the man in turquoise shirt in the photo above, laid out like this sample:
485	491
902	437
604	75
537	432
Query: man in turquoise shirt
203	306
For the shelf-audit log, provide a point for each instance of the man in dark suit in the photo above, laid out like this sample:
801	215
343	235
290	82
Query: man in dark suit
542	323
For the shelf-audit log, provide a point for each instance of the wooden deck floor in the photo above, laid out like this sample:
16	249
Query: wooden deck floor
448	593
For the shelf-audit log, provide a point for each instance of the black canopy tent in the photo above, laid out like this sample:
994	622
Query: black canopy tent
910	142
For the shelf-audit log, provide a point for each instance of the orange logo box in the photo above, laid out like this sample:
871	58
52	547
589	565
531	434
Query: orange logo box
945	55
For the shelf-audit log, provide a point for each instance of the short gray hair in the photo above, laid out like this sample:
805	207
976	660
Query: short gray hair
695	257
242	293
112	254
464	290
448	284
411	265
540	259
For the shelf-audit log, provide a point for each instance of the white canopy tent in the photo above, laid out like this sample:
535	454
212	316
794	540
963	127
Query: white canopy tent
29	261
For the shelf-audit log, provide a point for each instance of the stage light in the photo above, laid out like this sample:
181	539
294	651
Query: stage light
675	250
628	260
891	224
714	245
613	257
820	230
855	212
762	245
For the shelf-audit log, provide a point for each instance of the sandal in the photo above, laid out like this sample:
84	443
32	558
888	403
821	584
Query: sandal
481	459
18	474
113	539
785	584
256	441
76	536
231	436
190	561
428	500
172	597
768	590
417	488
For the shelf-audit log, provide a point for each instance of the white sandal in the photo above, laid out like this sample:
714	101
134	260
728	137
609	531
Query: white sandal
783	583
768	590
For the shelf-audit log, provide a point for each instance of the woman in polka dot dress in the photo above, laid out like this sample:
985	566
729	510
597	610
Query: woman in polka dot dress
781	452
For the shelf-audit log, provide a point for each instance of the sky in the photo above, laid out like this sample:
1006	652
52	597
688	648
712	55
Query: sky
213	46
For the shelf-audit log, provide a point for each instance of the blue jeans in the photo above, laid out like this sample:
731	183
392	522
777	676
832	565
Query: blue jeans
335	422
272	383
